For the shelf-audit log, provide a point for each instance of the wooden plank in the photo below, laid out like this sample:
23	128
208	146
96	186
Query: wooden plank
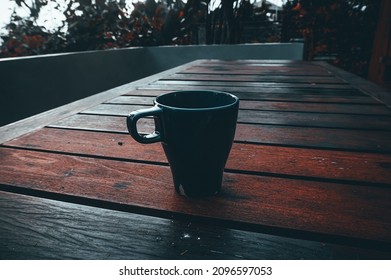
16	129
348	121
252	93
361	168
258	85
257	91
61	230
373	109
275	66
344	213
253	78
258	62
345	121
252	62
328	138
376	91
255	70
276	94
355	140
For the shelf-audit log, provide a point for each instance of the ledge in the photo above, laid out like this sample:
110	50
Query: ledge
31	85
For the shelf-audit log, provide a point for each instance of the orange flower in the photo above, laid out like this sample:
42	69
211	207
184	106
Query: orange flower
297	7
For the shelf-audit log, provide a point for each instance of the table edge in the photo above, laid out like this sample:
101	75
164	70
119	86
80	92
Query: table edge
378	92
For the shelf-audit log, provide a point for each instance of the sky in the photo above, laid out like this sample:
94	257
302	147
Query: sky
50	18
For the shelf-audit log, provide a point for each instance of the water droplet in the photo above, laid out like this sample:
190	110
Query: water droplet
185	236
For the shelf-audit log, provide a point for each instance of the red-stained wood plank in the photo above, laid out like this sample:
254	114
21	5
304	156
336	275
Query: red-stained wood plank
372	122
372	109
346	121
374	141
280	161
329	138
338	210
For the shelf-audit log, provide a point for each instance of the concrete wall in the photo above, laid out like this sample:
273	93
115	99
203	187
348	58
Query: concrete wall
31	85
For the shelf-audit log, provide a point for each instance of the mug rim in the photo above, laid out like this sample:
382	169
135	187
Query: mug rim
233	103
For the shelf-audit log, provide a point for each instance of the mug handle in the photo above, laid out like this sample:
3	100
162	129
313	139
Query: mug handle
134	116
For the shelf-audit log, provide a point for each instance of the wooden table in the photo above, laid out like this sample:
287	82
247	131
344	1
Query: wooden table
308	177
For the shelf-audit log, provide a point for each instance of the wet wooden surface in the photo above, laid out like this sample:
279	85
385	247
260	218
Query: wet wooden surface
308	177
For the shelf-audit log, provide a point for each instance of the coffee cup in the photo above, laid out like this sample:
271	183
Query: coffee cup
196	129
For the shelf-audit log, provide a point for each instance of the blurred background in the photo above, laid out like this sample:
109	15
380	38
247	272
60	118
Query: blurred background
342	32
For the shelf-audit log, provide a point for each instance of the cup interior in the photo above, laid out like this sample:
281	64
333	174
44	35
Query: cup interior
196	99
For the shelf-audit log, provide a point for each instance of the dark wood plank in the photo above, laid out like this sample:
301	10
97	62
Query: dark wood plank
350	96
278	94
257	67
362	168
61	230
262	62
329	138
355	140
376	91
254	62
264	70
327	211
348	121
99	123
258	85
361	109
253	78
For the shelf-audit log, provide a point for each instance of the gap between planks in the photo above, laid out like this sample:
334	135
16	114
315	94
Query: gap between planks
337	212
304	137
296	163
119	235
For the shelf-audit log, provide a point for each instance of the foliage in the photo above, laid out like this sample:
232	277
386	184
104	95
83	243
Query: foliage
106	24
340	30
26	37
228	24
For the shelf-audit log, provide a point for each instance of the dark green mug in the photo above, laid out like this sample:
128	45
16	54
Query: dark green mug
196	129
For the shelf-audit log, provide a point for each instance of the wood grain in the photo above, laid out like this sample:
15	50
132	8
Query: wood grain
355	140
360	109
309	85
258	68
288	118
239	77
309	169
357	215
361	168
376	91
60	230
277	94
